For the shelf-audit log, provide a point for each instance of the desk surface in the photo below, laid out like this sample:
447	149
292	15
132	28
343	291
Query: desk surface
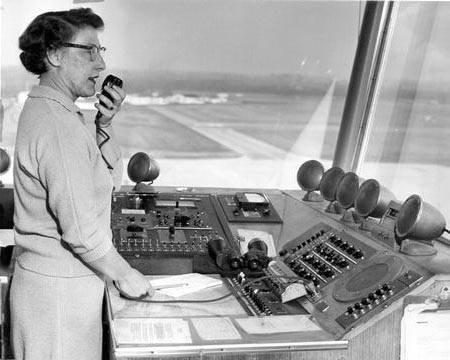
158	329
148	329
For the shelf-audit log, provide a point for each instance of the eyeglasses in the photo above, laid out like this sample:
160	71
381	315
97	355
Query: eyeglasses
95	50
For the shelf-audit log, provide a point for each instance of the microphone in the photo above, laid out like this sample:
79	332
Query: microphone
110	80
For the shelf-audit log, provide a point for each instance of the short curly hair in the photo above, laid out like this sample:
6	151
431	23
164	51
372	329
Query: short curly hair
48	31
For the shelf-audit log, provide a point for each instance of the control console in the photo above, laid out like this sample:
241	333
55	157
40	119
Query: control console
354	277
151	226
339	274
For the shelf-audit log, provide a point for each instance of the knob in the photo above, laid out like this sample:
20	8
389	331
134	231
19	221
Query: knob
367	303
308	276
407	276
338	242
327	252
322	268
308	257
388	289
328	273
282	252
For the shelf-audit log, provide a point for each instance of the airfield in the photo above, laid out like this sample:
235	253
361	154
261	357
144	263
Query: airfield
256	141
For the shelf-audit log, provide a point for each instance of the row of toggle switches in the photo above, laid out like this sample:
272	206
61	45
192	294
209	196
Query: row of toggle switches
372	299
347	247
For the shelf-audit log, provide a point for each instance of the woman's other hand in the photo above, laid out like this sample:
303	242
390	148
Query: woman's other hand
135	284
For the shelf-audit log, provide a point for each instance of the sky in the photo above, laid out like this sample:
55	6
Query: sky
240	36
315	38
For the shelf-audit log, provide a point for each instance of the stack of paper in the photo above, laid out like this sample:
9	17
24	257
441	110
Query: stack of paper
179	285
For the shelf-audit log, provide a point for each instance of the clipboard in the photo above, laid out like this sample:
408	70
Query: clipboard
425	328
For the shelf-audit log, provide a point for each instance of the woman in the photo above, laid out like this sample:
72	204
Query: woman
63	180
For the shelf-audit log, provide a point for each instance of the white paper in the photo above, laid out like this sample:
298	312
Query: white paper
245	236
425	334
185	284
255	197
152	331
6	237
133	211
277	324
217	328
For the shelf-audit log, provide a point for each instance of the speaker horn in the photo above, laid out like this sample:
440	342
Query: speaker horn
328	186
346	193
417	224
5	160
309	176
373	199
142	168
418	220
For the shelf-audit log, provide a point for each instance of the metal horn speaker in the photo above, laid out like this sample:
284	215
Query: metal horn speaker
142	168
372	199
330	182
328	187
309	176
418	220
5	160
347	190
346	193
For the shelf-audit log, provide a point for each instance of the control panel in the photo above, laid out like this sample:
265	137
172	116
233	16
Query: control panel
339	274
323	255
167	225
270	293
250	207
354	277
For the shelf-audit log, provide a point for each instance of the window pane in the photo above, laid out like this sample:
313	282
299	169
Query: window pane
220	93
408	150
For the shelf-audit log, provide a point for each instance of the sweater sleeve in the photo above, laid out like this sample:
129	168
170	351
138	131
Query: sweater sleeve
68	167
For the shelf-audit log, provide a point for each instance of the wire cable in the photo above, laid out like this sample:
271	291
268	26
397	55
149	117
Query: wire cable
104	134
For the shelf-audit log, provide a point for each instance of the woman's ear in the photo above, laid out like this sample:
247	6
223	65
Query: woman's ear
54	57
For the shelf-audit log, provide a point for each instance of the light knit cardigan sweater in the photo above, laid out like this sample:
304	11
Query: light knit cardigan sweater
62	187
